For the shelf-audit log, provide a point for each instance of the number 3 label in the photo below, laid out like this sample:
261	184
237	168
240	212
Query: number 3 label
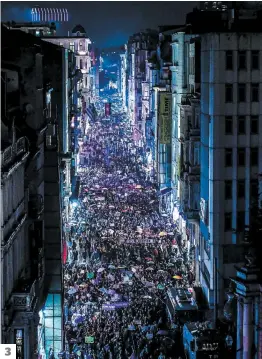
8	351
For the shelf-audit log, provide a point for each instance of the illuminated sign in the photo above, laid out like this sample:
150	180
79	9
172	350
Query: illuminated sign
165	117
19	341
204	211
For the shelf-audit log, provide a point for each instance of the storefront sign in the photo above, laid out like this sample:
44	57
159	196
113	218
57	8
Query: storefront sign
19	341
165	117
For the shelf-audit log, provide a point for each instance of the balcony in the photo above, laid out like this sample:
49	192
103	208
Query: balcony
194	170
192	216
35	206
24	297
82	52
194	133
14	153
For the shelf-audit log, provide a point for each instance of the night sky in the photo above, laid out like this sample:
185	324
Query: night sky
107	23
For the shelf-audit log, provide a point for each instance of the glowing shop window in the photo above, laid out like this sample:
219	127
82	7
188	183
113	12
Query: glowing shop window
53	323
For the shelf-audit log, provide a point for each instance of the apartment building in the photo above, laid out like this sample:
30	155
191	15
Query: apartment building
22	191
186	138
123	81
231	147
35	142
223	100
139	48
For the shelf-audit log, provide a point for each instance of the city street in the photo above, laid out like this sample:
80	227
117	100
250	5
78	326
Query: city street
122	255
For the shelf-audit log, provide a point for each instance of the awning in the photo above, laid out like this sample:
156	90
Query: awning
164	191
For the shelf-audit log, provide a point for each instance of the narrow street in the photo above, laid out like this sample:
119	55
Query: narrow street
122	255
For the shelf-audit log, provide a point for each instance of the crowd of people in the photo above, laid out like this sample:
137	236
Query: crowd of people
123	255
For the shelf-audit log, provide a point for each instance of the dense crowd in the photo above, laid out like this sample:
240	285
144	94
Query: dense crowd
123	255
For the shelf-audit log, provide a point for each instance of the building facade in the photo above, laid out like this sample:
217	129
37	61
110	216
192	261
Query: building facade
37	78
78	101
123	82
216	144
24	116
139	48
186	138
231	147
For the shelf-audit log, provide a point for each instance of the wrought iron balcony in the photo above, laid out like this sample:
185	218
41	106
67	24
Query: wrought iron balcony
35	206
11	153
23	298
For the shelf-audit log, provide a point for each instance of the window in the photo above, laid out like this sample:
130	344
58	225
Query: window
232	253
81	63
254	125
241	92
241	188
254	189
229	60
240	220
206	274
229	93
228	157
197	121
241	156
228	125
254	156
241	125
80	45
72	46
207	246
255	60
255	92
228	189
196	154
242	60
228	221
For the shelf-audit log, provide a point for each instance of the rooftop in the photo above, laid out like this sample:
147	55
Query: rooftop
78	28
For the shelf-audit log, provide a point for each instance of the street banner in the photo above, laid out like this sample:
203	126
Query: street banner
165	117
64	255
89	340
107	109
115	305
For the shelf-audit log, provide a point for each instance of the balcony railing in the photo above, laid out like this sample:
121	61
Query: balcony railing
11	152
194	169
35	206
194	132
192	215
22	300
